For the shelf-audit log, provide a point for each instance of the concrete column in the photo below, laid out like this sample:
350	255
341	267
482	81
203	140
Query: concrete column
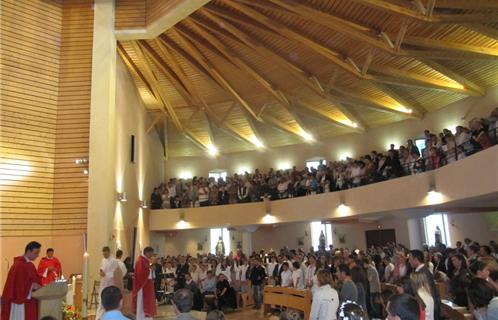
415	233
102	184
247	242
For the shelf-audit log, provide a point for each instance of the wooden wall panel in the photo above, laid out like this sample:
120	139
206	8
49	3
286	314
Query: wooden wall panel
45	72
30	33
73	118
157	8
130	14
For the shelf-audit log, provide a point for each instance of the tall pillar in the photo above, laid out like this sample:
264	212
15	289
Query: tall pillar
102	184
247	242
415	233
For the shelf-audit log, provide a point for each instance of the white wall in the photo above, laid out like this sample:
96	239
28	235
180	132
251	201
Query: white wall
351	144
139	178
268	237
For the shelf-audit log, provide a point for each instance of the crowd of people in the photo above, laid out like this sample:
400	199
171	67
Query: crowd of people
390	281
440	149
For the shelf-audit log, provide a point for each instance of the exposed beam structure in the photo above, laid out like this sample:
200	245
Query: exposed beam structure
287	63
155	121
209	67
344	62
393	8
300	75
185	86
453	47
279	124
158	90
366	35
485	30
308	110
371	36
238	61
135	70
452	74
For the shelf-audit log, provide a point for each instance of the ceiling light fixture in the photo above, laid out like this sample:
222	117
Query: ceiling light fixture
212	150
257	142
85	172
307	136
405	109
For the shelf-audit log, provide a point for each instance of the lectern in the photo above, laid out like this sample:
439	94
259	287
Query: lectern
50	299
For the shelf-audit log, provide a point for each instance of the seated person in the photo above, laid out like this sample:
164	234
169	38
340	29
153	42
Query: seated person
192	286
225	293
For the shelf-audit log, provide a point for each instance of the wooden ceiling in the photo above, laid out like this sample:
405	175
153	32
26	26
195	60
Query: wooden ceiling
240	75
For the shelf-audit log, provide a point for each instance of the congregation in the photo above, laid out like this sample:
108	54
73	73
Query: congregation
440	149
383	281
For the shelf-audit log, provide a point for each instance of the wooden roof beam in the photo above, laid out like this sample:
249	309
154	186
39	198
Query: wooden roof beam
238	61
192	94
367	35
453	75
215	74
407	78
282	98
297	73
393	8
290	129
466	4
158	89
324	116
134	69
347	96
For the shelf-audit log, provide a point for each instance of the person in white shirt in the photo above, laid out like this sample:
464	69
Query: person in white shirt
421	286
310	272
297	276
325	299
286	275
107	268
388	268
270	267
121	265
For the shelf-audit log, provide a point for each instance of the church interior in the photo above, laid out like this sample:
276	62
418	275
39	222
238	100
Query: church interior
214	132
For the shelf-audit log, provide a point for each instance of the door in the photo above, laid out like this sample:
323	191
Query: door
380	237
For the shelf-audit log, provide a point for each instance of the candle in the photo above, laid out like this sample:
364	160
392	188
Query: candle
85	284
73	284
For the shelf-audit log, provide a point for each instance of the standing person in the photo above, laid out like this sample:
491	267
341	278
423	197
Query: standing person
416	261
144	302
422	289
108	267
325	299
257	275
50	268
349	291
123	268
22	280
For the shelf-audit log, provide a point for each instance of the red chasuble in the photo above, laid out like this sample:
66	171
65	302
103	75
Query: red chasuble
142	281
17	289
46	275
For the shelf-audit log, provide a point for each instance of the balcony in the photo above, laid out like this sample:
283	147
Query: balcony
463	185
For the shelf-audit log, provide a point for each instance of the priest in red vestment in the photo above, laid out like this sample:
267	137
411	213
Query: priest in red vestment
49	268
22	280
144	297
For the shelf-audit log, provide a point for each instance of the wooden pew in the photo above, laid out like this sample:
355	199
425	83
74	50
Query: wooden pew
287	297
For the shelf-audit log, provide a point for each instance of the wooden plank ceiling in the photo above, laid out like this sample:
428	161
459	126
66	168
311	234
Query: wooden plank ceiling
251	74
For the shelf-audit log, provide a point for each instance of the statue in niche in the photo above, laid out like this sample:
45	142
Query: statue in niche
220	247
321	241
437	235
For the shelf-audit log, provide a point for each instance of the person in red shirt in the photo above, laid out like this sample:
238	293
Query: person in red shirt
22	280
144	298
50	268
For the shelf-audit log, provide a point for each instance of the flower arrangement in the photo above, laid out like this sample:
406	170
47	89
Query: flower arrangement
70	312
